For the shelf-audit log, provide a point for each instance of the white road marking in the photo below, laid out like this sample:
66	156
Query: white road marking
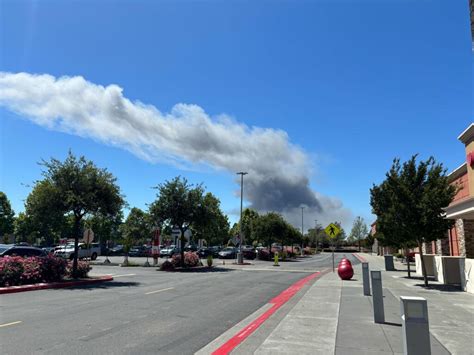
8	324
114	276
164	289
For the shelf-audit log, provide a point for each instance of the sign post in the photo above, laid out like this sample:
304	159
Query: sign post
332	230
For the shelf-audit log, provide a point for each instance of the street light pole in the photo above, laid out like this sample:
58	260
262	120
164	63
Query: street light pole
240	258
302	231
316	234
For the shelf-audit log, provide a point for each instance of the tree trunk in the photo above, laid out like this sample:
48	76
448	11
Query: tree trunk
182	247
77	231
407	258
359	244
423	269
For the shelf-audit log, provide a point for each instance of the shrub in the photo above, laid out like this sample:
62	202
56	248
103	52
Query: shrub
83	269
11	269
53	268
176	260
264	254
209	260
32	271
167	266
191	259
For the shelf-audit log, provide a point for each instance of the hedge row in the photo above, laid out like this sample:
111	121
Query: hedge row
16	270
190	260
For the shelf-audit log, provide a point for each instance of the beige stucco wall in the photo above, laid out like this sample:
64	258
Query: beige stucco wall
470	170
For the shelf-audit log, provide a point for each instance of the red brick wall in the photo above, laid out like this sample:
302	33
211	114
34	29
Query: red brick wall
453	242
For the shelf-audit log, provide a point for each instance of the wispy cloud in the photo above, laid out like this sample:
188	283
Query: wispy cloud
279	170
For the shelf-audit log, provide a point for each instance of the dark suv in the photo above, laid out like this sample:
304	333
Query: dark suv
16	250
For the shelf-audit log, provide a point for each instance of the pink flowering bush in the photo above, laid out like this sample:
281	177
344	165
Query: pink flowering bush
83	269
16	270
167	266
191	259
53	268
32	271
11	269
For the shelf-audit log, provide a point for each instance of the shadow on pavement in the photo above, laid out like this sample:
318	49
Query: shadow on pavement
393	324
443	288
202	270
104	285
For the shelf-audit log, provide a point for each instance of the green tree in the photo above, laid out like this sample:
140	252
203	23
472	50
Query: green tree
78	188
105	227
409	204
358	232
249	220
178	203
6	215
137	227
210	222
270	228
44	214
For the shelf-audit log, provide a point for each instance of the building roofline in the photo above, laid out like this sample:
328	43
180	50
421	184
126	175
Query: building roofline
467	134
458	172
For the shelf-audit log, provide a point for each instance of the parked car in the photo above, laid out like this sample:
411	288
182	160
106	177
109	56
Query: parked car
138	251
84	251
228	253
49	250
168	251
17	250
190	247
116	250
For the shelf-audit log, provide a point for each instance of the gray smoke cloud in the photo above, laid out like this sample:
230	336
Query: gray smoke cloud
186	137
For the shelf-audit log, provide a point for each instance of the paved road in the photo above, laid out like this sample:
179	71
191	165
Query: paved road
143	310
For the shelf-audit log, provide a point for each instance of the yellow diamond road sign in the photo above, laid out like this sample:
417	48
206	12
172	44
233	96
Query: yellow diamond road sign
332	230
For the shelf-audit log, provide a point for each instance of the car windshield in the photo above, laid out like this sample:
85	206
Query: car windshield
3	248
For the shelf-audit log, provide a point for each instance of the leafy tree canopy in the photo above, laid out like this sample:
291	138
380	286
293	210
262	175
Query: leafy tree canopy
6	215
409	203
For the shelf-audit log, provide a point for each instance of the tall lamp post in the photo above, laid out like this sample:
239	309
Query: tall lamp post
316	234
302	231
240	257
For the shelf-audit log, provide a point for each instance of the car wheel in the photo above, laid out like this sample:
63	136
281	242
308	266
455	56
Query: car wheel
94	256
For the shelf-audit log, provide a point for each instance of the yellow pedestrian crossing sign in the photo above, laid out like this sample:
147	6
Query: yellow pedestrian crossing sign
332	230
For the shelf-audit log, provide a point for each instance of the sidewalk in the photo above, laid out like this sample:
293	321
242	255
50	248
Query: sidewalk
333	317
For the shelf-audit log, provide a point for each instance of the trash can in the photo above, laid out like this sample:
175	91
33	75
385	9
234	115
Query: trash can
389	262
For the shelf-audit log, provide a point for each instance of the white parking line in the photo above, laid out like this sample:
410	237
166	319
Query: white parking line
165	289
8	324
114	276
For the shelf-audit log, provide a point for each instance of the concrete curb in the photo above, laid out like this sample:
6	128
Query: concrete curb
45	286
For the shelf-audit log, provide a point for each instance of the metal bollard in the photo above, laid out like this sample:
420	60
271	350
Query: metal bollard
366	279
415	326
377	296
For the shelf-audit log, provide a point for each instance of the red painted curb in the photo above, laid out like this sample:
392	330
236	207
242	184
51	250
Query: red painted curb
45	286
277	302
360	258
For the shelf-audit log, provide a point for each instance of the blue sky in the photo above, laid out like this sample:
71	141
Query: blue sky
352	83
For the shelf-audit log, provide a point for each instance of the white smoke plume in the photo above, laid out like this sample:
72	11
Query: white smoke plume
279	171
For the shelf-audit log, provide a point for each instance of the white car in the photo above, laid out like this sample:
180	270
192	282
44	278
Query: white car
67	252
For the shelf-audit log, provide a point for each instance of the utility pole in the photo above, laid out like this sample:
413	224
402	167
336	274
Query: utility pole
240	257
302	231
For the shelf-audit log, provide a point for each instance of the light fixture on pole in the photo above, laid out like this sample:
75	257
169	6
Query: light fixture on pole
302	230
240	258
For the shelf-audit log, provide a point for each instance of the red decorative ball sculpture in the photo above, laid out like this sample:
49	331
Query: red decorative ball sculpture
345	270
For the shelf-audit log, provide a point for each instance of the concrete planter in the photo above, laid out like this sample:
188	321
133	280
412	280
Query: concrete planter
467	275
429	264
